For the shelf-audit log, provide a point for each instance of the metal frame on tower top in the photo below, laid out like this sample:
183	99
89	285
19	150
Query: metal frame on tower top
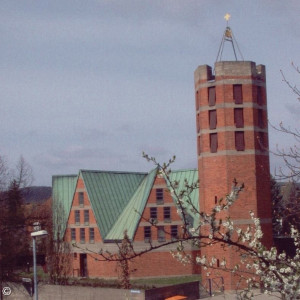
228	37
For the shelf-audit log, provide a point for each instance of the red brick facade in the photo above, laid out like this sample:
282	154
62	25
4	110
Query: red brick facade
233	143
158	263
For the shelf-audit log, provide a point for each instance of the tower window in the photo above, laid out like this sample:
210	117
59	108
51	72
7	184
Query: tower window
212	119
159	196
260	118
82	235
199	145
212	96
213	142
197	100
147	234
259	95
238	118
161	235
77	217
237	94
92	235
198	122
261	141
239	141
81	199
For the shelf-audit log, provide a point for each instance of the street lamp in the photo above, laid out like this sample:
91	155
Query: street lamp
34	235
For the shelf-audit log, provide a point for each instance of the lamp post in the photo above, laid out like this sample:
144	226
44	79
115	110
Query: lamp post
34	235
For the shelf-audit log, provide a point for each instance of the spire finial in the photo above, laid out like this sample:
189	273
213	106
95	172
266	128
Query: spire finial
227	17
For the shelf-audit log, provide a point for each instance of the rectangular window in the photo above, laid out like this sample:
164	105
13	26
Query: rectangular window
92	235
197	100
147	234
239	141
159	196
212	96
199	145
86	217
260	118
174	232
82	235
213	142
238	117
261	141
237	94
73	234
77	217
161	235
167	214
81	199
153	213
198	122
259	95
212	119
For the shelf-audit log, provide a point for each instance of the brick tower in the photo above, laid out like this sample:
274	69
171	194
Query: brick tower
232	142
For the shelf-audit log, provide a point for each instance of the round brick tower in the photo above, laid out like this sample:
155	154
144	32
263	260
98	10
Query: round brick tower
232	142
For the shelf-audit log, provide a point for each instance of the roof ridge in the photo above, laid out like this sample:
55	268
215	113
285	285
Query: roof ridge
113	172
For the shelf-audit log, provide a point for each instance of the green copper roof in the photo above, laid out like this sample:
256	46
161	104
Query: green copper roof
109	193
191	176
117	198
130	217
63	189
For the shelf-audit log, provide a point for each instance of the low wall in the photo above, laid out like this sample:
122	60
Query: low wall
59	292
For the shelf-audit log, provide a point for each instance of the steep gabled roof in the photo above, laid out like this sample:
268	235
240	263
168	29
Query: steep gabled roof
63	189
130	217
191	176
117	198
109	193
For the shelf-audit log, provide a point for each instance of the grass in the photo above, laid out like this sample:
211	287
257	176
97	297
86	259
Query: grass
164	281
143	283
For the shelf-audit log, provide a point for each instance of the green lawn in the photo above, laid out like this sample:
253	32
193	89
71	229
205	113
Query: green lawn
164	281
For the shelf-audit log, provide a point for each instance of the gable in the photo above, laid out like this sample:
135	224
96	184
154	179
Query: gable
109	193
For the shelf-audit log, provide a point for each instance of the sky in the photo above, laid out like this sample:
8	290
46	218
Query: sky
92	84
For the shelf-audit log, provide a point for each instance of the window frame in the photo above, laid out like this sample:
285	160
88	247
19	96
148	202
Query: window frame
213	142
239	117
211	96
159	192
167	214
91	235
238	93
77	216
73	234
82	235
161	234
239	138
86	215
153	213
212	116
81	199
147	234
174	232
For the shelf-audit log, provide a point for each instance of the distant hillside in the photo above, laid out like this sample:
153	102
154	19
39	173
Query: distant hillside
37	194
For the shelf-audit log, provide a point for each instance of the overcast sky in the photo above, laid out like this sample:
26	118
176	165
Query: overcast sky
92	84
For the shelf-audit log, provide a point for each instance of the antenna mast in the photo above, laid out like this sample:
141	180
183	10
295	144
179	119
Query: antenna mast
228	37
